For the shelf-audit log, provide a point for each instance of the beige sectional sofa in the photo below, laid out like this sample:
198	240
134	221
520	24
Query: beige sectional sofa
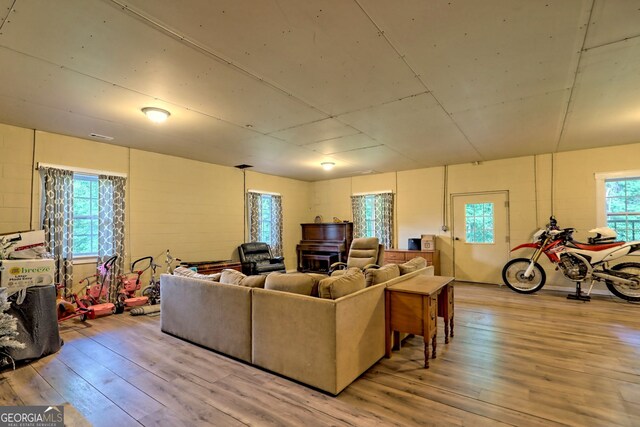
211	314
324	343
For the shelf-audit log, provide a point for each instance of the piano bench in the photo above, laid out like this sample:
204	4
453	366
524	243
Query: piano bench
317	263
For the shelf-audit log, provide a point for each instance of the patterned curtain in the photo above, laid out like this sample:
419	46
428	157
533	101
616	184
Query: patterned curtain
111	204
276	225
254	208
381	215
358	207
57	221
383	204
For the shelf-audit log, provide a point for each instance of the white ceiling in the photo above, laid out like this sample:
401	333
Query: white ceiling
373	85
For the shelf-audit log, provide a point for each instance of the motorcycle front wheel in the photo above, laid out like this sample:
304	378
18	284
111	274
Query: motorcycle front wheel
627	292
513	276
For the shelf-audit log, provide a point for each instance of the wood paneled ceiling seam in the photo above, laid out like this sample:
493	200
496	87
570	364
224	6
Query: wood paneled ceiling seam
6	18
624	39
575	78
204	50
215	56
419	78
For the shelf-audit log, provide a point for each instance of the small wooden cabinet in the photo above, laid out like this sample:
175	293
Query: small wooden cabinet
211	267
400	256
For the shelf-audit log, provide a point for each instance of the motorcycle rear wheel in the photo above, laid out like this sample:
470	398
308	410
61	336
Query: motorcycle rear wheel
627	292
513	276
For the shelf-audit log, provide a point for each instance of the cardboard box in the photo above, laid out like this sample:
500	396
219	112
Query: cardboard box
428	242
27	245
20	274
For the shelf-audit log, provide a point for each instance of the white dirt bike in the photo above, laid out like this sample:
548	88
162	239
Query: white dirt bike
578	262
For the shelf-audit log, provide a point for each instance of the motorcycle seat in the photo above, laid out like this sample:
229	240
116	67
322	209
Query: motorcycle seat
596	246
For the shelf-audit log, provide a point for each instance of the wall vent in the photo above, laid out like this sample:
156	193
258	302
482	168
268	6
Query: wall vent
97	135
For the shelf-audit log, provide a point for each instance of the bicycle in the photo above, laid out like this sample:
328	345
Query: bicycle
152	291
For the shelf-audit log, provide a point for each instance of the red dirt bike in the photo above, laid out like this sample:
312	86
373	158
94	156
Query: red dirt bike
577	261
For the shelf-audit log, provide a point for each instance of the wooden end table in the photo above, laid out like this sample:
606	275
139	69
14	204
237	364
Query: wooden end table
412	306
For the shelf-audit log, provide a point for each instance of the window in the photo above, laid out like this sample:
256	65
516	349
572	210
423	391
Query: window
369	216
85	215
618	202
622	207
479	223
266	219
373	216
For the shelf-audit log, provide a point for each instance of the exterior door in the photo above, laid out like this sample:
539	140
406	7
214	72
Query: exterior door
480	236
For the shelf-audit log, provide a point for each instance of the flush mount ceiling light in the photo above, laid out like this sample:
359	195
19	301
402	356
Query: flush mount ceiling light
327	165
156	115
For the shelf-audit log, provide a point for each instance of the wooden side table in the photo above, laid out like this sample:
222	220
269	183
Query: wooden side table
445	310
412	306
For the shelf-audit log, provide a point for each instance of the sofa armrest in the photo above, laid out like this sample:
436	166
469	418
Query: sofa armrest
360	333
277	260
323	343
294	335
249	267
207	313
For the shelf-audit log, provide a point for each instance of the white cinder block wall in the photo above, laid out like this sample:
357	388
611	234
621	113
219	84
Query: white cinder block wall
16	156
197	209
419	194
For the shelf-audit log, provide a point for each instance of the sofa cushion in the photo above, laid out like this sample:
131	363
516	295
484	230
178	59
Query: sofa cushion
296	283
373	276
231	277
412	265
187	272
335	287
253	281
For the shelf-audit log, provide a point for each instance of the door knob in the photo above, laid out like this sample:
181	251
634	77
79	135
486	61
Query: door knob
456	238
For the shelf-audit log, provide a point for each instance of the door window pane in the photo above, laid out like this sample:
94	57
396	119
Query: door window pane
479	223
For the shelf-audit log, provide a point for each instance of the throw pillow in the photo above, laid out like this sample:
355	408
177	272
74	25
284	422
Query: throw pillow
335	287
387	272
296	283
317	277
338	272
231	277
253	281
412	265
187	272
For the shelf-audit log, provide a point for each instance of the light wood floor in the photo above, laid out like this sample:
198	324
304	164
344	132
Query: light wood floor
515	360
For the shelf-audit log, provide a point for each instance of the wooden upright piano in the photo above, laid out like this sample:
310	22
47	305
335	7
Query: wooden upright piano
323	244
